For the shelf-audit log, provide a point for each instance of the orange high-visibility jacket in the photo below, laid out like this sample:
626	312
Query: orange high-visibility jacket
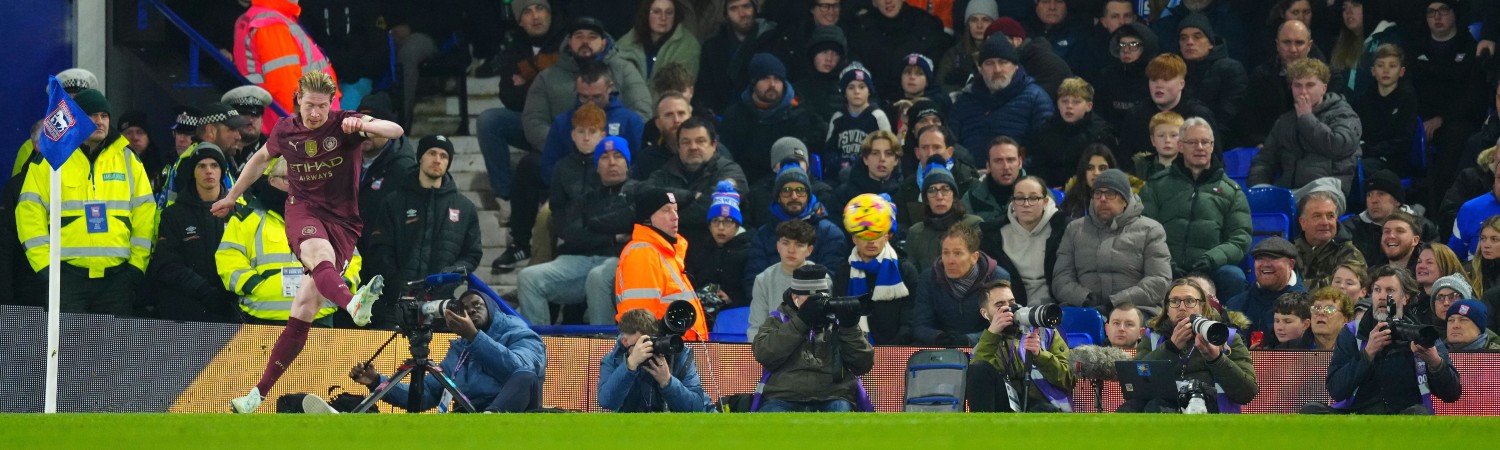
652	275
273	51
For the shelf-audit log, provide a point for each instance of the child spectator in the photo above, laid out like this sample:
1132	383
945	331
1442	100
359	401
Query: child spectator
848	127
1387	112
1166	129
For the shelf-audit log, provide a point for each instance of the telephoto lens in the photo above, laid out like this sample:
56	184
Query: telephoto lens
1215	332
1044	316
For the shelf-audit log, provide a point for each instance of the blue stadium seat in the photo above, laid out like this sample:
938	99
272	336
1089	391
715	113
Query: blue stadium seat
1057	194
1082	326
1474	29
1237	163
1272	199
1270	224
731	325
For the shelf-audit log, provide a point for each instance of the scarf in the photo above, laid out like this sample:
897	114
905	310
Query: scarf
961	286
886	270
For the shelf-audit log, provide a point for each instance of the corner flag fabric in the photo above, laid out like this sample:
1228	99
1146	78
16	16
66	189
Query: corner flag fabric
64	128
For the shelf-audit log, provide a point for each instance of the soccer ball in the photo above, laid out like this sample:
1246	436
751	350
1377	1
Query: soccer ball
869	216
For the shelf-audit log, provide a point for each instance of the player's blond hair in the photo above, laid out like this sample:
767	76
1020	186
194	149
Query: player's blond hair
313	82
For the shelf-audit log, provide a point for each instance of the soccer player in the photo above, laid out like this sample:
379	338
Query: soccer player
321	148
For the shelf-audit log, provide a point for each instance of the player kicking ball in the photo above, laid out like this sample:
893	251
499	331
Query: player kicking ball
321	149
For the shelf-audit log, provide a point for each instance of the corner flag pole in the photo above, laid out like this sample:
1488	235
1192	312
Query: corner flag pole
54	286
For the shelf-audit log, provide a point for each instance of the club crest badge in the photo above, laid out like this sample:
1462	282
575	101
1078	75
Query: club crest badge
58	122
309	230
331	143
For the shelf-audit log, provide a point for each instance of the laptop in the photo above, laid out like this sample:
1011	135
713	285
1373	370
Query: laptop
1147	380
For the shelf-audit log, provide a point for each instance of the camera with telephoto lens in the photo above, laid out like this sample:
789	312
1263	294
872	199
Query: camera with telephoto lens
833	307
421	303
1044	316
1213	331
679	318
1405	330
1190	389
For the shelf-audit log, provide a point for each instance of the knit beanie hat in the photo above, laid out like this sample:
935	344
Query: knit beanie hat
920	110
1456	282
135	118
1473	309
612	144
1199	21
765	65
518	6
726	203
1388	182
986	7
810	278
998	46
92	101
650	200
1006	26
919	60
1114	180
788	148
937	172
791	174
436	140
856	72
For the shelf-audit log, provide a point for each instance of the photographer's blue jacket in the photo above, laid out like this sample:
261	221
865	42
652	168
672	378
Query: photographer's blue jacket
1391	382
480	368
625	390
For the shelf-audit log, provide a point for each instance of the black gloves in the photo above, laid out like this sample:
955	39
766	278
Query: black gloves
811	313
847	319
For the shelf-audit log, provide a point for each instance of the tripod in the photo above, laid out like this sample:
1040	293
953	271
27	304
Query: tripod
418	366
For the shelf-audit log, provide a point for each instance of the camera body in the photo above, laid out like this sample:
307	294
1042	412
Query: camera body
1405	330
1215	332
833	307
421	304
678	318
1192	395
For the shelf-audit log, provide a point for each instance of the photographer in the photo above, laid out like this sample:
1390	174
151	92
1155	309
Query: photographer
497	361
1008	362
1372	373
638	377
813	361
1223	369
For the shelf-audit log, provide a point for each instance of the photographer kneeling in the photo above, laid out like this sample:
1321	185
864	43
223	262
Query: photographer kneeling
1007	362
1223	371
641	375
499	369
1381	366
813	352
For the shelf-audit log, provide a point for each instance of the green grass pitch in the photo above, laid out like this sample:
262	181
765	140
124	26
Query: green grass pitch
760	431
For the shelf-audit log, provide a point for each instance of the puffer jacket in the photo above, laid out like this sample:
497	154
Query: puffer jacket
882	43
1055	149
182	272
386	175
481	367
802	363
680	48
424	231
589	218
1125	259
939	312
625	390
1232	372
1219	82
1024	246
553	92
1207	219
1305	148
979	115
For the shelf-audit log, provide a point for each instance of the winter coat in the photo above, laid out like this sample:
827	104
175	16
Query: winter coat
1257	304
988	199
693	216
723	60
1487	340
1308	147
1364	233
756	207
1018	110
1021	260
924	241
711	263
938	311
1091	53
820	92
1226	23
1125	259
624	390
911	209
749	131
182	271
1387	384
1135	134
1316	265
1047	69
1055	149
1470	220
553	92
1003	352
1232	371
618	121
1472	182
680	48
424	231
1121	87
517	58
1271	96
386	175
889	320
1207	219
1062	38
830	246
1449	77
882	43
481	367
1387	125
1219	82
588	218
801	361
648	160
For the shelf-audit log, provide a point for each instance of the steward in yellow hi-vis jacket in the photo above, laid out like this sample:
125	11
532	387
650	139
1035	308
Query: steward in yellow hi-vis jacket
256	263
108	218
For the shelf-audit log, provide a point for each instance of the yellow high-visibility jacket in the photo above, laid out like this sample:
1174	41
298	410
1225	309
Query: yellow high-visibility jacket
115	184
251	259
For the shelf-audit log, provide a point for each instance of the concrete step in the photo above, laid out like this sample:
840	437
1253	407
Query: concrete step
492	233
467	163
447	105
482	200
446	125
484	86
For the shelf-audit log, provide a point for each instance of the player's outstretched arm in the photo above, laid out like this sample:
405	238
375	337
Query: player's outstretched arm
253	169
372	127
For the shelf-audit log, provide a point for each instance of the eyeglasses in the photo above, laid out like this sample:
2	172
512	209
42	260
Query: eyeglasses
1130	45
941	190
794	190
723	222
825	7
1449	296
1441	10
1323	309
1189	302
1102	194
1202	143
1027	201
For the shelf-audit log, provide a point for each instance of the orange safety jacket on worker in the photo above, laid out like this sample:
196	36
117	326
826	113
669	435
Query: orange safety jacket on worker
651	275
273	51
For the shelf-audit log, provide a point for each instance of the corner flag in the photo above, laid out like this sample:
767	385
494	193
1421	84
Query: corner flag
64	128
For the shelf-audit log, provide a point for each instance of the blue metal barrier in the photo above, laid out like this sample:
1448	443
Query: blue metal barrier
197	45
